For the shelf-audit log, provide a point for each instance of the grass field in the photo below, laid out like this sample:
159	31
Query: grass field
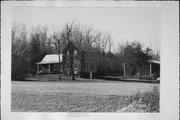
102	96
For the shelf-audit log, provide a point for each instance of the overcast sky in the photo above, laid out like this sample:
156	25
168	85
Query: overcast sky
124	24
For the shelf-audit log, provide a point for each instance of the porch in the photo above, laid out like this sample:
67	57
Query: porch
48	68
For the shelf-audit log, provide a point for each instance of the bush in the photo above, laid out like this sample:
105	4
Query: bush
20	67
155	76
110	66
150	99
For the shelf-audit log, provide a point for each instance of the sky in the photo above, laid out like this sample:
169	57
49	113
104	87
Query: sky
124	24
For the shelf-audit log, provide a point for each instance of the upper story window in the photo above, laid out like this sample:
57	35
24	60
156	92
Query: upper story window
84	65
75	65
92	56
75	52
67	66
67	53
86	55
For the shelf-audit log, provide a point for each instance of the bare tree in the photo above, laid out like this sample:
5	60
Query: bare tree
156	55
42	33
106	42
78	34
97	40
67	35
109	42
57	37
19	40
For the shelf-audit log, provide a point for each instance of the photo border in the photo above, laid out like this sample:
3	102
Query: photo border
169	90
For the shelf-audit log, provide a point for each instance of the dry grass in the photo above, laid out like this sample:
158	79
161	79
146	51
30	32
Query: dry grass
145	102
74	96
64	102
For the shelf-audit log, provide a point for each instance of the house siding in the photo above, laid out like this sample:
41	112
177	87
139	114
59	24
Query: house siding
84	61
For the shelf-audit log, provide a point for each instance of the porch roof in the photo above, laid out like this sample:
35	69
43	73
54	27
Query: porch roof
154	61
51	58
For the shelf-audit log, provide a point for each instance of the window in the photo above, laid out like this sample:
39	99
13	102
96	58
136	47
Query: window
86	55
92	56
75	65
67	53
91	66
75	52
56	66
84	65
87	65
75	55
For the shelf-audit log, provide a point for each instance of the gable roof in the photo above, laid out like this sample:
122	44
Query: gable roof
51	58
86	47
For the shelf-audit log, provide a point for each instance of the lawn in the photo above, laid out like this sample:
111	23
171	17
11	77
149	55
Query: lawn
101	96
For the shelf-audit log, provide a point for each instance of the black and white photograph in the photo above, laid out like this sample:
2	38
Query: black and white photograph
86	59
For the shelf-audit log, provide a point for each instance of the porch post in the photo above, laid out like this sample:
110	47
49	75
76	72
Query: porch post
90	75
150	69
124	66
49	69
37	68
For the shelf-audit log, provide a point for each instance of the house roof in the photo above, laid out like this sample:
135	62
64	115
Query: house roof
51	58
85	47
154	61
81	46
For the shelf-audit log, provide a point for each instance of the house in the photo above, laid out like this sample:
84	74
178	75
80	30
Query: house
85	60
49	64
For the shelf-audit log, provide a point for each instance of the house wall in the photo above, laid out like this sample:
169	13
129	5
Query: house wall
83	61
91	62
76	63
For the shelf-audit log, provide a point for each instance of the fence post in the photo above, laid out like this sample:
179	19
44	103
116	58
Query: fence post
91	75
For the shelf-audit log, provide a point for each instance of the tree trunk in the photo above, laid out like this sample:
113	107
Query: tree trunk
71	64
139	74
72	70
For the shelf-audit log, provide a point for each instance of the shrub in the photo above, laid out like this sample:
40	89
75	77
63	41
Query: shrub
150	99
20	67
